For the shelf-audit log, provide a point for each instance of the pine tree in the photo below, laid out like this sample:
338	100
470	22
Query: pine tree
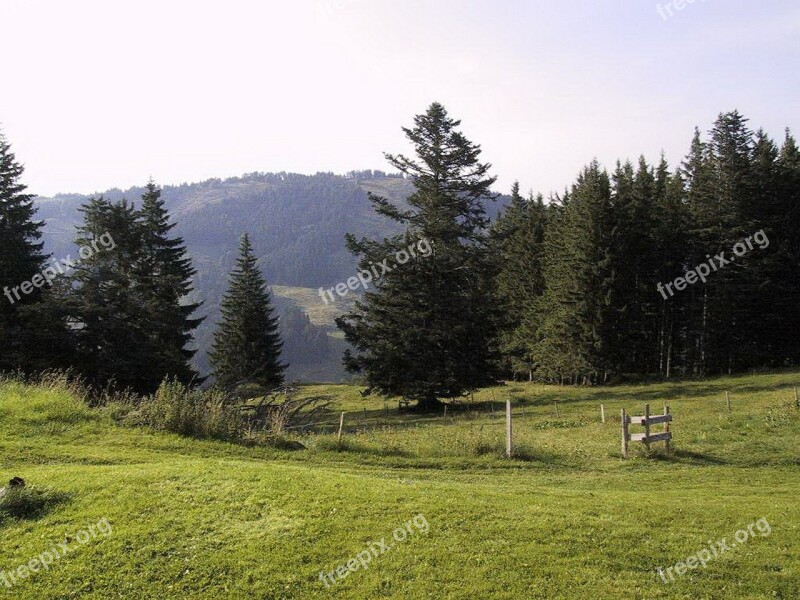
671	241
113	343
163	278
518	246
21	259
427	331
578	271
635	300
720	192
698	175
247	344
778	177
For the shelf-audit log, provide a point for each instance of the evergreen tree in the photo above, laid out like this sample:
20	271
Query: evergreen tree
635	302
760	310
122	307
163	279
427	331
785	320
111	322
720	192
578	271
703	237
21	260
247	344
671	241
517	246
772	318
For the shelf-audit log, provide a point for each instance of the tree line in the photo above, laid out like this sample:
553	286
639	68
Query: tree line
121	316
569	290
586	279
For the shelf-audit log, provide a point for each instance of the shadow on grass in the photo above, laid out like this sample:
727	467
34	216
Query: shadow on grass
27	503
677	388
348	445
522	453
527	454
276	442
687	457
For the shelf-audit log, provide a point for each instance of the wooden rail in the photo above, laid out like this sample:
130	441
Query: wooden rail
647	420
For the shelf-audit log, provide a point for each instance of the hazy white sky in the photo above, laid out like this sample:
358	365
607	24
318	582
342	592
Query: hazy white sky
97	94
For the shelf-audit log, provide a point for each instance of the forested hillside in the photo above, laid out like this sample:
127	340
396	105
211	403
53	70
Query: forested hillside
297	224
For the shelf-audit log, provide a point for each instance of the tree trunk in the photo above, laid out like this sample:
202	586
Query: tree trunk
429	404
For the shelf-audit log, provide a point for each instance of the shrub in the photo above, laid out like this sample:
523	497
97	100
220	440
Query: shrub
281	411
191	412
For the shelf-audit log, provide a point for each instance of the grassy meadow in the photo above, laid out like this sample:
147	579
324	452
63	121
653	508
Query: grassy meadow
565	518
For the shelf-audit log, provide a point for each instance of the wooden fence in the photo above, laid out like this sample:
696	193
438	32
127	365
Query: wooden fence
647	421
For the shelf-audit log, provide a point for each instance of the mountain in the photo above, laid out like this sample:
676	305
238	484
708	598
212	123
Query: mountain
297	225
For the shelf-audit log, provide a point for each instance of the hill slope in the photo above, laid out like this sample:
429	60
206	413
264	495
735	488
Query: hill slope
195	519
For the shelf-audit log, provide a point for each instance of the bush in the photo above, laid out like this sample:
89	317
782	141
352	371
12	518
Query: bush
190	412
27	502
281	411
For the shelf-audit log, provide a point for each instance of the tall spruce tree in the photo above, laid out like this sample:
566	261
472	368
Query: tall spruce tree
518	248
579	271
109	316
698	175
785	323
163	278
427	330
635	302
247	344
21	259
671	239
720	194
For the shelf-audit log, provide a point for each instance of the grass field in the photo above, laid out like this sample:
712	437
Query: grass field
566	518
321	314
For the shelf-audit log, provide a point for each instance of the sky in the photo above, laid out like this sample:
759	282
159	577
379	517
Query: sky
97	94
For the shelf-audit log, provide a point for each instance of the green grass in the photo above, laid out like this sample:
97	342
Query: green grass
567	518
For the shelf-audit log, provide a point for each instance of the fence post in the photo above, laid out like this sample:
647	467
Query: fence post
666	426
796	399
445	411
624	434
556	405
647	426
341	425
728	400
508	429
602	414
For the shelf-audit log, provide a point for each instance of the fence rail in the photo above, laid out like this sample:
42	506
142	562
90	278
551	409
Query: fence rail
647	420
